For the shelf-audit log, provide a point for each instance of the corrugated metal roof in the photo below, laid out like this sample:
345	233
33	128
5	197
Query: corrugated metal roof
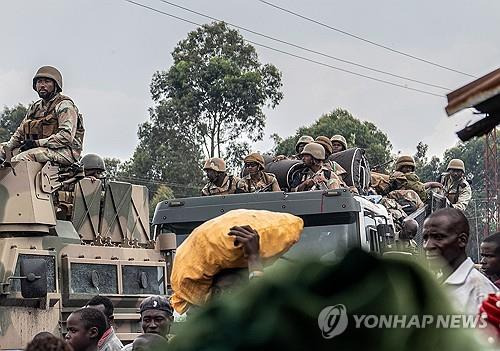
475	93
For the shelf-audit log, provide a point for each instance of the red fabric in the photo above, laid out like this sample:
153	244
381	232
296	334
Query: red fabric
489	306
104	337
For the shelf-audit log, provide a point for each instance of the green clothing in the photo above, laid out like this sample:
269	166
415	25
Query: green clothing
280	311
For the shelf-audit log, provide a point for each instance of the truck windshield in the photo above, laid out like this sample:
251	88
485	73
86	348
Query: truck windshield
326	237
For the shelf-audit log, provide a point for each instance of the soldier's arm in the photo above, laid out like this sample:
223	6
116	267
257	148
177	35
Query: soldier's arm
464	196
275	186
17	138
67	118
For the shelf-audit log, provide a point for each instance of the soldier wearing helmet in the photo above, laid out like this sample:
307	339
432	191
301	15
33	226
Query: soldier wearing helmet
455	187
256	180
52	129
301	143
405	178
93	166
318	177
338	143
219	183
331	165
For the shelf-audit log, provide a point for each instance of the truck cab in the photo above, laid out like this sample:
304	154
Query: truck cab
334	220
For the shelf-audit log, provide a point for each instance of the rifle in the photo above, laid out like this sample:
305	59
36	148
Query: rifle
380	165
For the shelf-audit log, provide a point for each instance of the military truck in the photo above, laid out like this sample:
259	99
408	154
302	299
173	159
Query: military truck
50	266
334	220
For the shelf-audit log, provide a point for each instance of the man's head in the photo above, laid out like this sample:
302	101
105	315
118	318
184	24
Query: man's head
215	168
338	143
456	168
302	142
409	229
313	154
146	342
326	143
490	255
227	280
405	164
254	163
45	341
445	235
85	327
47	82
93	165
103	304
156	315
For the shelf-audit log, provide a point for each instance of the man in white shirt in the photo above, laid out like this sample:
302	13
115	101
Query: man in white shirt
445	236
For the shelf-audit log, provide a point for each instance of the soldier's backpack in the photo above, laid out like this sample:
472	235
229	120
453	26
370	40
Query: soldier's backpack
408	199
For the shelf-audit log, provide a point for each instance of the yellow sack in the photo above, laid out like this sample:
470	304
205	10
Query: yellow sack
209	249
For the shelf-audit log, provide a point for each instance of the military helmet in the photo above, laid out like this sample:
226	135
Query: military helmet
49	72
255	157
325	142
314	149
216	164
456	164
340	139
404	160
93	161
304	139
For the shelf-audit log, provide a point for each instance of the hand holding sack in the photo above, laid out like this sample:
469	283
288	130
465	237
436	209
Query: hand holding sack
209	249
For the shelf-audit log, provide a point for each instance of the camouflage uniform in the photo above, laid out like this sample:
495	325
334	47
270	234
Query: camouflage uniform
266	182
228	187
55	126
458	192
408	181
333	181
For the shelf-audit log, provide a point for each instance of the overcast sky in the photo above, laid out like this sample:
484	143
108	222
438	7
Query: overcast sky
108	50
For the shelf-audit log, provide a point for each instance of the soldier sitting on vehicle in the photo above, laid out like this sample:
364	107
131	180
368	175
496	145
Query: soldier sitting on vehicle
301	143
219	182
454	185
318	177
404	178
52	129
332	165
338	143
256	180
94	166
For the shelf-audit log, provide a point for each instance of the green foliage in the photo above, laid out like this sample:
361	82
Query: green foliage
162	193
113	166
358	133
217	80
10	119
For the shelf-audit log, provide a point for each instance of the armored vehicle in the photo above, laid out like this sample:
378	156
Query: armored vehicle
100	245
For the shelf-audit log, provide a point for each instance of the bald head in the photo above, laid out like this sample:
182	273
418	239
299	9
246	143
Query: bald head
409	229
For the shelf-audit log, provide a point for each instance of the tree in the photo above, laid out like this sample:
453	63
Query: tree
218	81
163	193
113	167
10	119
167	152
358	133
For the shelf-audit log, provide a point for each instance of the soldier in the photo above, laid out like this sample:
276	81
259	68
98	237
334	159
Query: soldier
318	177
338	143
256	180
455	187
301	143
219	183
52	129
404	177
94	166
332	165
